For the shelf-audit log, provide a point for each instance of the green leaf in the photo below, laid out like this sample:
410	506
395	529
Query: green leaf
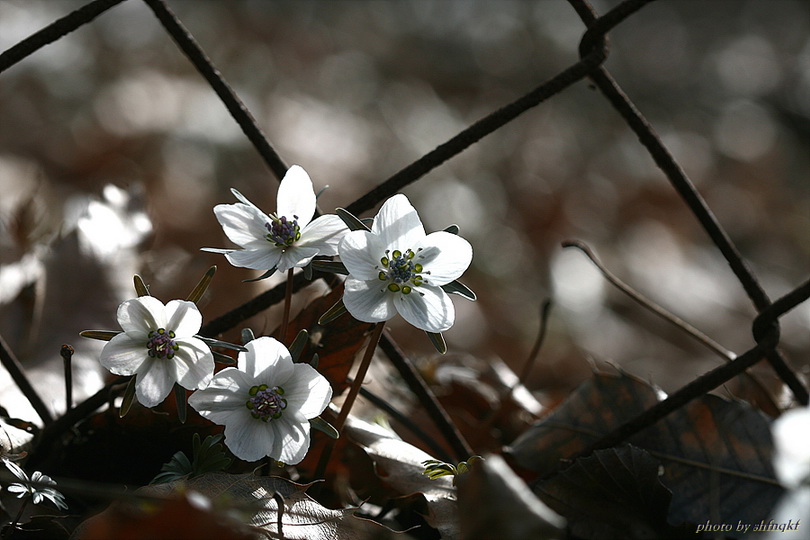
332	313
202	286
308	272
103	335
335	267
452	229
261	277
351	221
322	425
298	344
223	358
180	400
140	287
438	341
208	457
129	397
247	335
456	287
212	342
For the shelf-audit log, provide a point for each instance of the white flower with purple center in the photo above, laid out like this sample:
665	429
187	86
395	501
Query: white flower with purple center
287	239
158	346
397	268
265	403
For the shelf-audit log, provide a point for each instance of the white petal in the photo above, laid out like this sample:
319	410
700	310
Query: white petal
446	256
296	257
427	308
307	391
154	381
292	439
223	397
139	316
368	301
123	355
397	224
244	225
360	252
183	318
193	363
296	196
248	438
266	357
325	234
257	259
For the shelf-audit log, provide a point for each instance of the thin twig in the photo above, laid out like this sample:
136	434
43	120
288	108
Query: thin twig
54	31
427	399
531	359
67	354
236	108
17	373
648	304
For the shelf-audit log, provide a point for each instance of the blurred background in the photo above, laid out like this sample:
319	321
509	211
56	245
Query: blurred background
113	151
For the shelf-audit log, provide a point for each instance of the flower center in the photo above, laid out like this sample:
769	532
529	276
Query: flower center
266	403
161	344
400	270
281	232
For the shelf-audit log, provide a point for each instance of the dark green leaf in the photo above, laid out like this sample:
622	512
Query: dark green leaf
202	286
298	344
438	341
140	287
351	221
332	313
456	287
322	425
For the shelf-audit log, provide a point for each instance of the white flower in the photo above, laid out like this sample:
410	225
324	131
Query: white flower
37	493
287	239
396	267
158	347
265	403
791	438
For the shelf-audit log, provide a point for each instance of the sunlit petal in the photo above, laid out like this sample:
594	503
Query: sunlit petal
427	308
360	252
296	196
397	224
368	301
445	256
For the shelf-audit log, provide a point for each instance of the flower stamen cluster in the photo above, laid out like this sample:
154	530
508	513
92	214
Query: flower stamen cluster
266	403
400	270
283	233
161	344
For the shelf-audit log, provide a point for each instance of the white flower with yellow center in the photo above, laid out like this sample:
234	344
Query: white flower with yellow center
287	239
397	268
265	403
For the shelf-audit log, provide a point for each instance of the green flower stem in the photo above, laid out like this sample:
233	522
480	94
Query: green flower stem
354	389
285	319
359	376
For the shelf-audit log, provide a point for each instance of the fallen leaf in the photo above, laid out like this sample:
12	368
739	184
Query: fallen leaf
496	503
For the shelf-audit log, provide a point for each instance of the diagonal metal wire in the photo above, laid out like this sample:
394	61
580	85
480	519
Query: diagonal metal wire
54	31
680	181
